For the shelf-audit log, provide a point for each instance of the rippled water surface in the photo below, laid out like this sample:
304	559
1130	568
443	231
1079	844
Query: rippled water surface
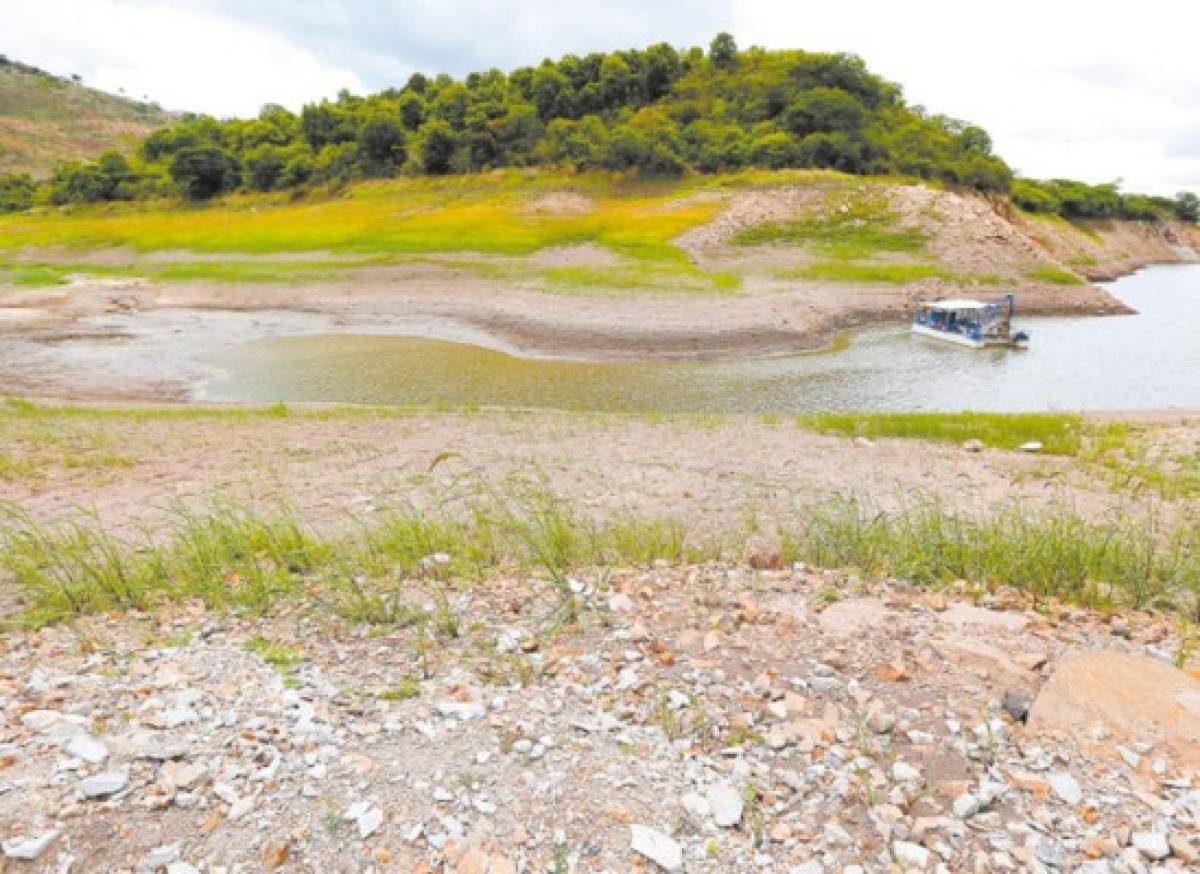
1121	362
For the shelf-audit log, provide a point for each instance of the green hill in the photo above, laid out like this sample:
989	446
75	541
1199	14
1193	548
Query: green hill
653	112
46	120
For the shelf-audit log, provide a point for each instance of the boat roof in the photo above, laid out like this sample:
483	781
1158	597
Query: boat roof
955	304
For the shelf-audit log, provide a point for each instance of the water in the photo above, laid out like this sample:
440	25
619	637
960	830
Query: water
1149	360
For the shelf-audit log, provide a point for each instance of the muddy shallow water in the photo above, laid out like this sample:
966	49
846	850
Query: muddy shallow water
1149	360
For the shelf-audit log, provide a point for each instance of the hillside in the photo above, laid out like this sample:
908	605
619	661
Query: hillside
578	265
653	112
46	120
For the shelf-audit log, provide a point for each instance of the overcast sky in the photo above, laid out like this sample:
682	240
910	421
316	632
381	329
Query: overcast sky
1091	89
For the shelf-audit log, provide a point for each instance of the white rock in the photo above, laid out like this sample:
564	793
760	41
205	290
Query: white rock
104	784
1066	787
910	856
1031	446
240	808
1152	845
28	849
464	711
182	868
370	822
162	856
905	773
696	804
726	804
660	849
86	747
966	805
809	867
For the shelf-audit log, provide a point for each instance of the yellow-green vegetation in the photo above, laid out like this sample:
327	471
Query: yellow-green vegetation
503	215
1059	433
496	214
45	120
1054	275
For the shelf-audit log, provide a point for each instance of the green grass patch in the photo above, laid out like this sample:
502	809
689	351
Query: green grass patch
636	278
32	275
843	271
278	655
1054	275
1053	552
386	569
407	688
1059	434
852	223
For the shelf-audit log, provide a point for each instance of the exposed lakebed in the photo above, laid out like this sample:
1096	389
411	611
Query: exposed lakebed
1148	360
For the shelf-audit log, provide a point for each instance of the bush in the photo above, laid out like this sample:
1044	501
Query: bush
16	192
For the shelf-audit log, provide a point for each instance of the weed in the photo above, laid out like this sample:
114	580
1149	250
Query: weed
407	688
278	655
1054	275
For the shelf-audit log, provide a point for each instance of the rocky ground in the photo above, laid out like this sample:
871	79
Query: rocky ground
708	718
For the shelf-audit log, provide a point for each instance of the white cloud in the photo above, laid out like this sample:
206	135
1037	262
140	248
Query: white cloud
178	57
1094	90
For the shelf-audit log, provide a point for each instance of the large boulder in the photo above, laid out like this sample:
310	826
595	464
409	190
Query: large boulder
1100	698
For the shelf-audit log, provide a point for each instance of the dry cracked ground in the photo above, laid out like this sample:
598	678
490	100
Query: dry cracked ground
708	718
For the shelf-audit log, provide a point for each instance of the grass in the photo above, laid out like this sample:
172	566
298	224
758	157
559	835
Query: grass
1051	553
490	214
1059	433
1054	275
400	567
675	278
851	223
894	274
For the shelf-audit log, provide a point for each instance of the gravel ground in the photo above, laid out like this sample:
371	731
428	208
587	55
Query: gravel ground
706	718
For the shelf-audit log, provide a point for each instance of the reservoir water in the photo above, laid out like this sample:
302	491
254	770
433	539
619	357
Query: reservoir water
1148	360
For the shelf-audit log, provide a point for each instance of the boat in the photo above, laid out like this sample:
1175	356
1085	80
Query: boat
971	323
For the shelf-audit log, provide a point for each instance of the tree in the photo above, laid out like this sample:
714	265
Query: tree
824	110
722	51
263	166
16	192
381	145
1187	206
438	142
202	172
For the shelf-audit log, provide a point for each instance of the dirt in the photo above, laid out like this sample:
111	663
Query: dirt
714	476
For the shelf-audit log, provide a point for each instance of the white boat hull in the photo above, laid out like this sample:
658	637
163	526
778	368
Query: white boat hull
960	339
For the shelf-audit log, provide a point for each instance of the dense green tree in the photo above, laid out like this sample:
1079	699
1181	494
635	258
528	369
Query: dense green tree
1187	206
381	145
722	51
16	191
656	110
202	172
437	146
